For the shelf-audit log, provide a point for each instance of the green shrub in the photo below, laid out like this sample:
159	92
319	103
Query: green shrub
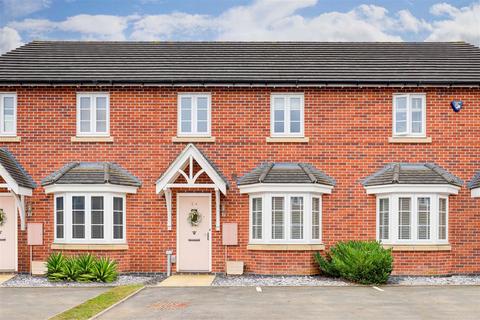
105	270
85	264
83	268
365	262
55	264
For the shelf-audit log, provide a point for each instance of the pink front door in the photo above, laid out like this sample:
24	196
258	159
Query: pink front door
193	238
8	234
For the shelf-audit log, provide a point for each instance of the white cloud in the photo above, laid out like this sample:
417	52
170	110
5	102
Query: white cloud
9	39
18	8
94	27
275	20
460	24
408	22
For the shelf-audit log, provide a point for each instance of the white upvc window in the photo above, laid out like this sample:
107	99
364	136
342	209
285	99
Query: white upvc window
8	114
287	115
194	114
90	218
409	115
411	218
93	114
283	218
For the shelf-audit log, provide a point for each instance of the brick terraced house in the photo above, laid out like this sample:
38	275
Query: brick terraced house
261	153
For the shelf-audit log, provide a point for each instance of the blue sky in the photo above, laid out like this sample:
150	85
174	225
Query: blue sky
239	20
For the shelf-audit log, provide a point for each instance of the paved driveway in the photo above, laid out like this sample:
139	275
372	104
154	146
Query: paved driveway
301	303
41	303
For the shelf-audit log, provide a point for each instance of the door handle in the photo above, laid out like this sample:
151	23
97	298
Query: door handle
208	235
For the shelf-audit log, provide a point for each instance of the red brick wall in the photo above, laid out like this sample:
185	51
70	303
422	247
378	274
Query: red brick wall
348	131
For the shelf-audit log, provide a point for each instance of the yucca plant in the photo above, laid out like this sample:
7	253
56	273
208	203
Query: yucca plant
70	269
55	264
365	262
105	270
85	264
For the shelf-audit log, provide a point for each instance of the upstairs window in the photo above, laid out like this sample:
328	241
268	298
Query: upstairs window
409	115
93	114
287	115
8	114
194	115
412	219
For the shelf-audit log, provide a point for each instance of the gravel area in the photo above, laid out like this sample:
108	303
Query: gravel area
434	281
23	280
265	281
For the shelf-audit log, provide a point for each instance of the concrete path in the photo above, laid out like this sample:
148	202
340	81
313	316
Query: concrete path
301	303
41	303
188	280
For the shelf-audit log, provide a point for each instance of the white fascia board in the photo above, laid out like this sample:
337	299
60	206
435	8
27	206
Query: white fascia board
475	192
171	173
56	188
12	184
413	188
286	187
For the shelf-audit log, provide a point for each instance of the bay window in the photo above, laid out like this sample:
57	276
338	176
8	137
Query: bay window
278	218
412	218
89	218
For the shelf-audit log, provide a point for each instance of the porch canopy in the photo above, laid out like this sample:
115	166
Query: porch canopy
16	180
189	158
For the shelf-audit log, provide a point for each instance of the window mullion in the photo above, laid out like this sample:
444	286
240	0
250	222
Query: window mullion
194	115
287	115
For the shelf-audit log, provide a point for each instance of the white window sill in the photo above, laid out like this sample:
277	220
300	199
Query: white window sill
193	139
287	139
81	246
409	139
91	139
10	139
286	247
418	247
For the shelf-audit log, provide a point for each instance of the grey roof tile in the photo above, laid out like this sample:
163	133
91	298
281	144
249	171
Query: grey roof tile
412	173
92	173
475	181
285	172
247	63
15	169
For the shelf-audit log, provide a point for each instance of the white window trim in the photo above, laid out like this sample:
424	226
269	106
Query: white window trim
2	132
287	132
393	219
93	114
267	218
107	222
408	97
194	132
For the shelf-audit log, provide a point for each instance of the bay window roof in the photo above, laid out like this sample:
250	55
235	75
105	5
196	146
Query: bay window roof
91	174
412	173
412	177
290	172
474	185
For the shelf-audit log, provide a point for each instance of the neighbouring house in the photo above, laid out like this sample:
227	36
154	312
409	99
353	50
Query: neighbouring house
261	153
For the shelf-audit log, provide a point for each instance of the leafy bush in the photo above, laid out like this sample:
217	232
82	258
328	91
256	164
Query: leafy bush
83	268
105	270
365	262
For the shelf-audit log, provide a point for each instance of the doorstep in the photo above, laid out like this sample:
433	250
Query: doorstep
188	280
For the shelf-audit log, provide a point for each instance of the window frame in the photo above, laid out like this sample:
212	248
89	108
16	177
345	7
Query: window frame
93	114
107	222
393	219
267	218
287	132
194	132
408	132
4	133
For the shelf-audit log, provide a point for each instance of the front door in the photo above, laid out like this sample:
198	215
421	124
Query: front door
193	232
8	234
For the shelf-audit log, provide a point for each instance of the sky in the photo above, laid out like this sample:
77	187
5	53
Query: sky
22	21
